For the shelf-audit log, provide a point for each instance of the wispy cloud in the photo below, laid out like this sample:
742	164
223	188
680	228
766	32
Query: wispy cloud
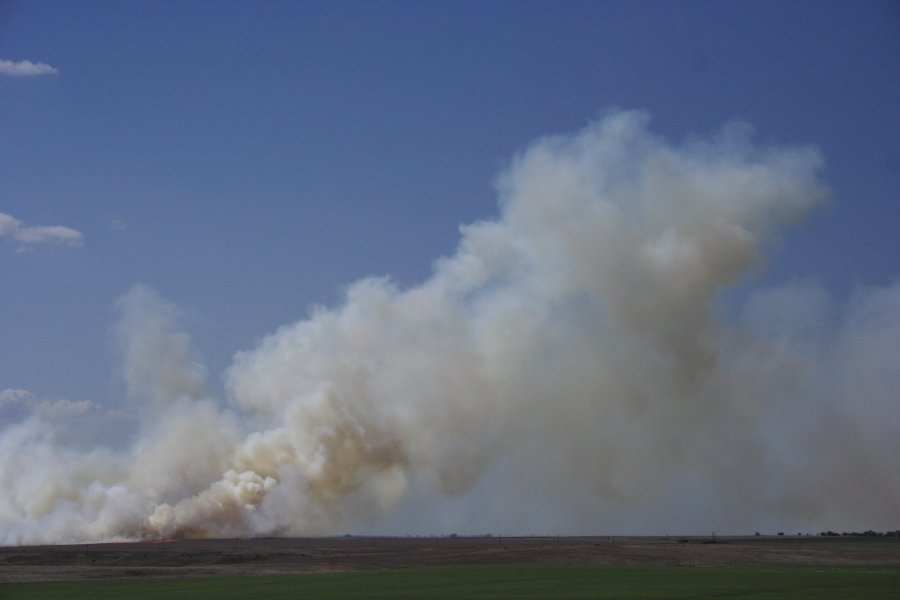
28	235
118	224
12	396
59	408
25	68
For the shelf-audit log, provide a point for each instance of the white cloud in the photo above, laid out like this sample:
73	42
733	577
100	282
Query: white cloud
52	233
25	68
8	224
12	396
57	408
118	224
66	408
37	234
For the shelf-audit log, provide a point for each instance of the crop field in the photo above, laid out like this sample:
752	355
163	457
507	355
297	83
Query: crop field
523	581
476	567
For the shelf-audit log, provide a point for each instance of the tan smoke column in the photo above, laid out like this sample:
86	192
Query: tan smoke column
566	370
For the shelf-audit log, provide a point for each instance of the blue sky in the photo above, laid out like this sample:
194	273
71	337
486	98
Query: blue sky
261	155
264	155
250	160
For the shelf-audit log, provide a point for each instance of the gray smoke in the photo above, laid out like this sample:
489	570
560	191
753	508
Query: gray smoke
568	369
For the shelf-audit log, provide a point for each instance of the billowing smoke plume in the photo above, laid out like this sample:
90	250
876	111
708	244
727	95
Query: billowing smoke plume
568	369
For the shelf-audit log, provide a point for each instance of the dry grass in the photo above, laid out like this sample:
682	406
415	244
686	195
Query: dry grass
275	556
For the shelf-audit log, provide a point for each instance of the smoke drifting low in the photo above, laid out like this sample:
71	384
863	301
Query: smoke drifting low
566	370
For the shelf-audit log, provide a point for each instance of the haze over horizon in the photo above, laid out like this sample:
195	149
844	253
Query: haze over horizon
406	268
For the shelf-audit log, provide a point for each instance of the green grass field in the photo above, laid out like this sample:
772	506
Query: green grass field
869	583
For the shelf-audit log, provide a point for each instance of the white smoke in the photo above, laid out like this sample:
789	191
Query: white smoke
564	371
159	365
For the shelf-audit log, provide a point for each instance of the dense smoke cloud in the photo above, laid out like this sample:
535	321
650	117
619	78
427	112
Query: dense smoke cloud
566	370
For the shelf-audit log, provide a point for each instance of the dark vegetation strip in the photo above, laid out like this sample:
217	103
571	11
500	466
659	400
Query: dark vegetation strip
871	583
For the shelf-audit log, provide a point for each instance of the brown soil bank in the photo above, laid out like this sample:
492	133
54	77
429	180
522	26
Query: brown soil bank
269	556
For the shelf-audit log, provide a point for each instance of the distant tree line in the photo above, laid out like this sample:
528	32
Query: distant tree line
867	533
